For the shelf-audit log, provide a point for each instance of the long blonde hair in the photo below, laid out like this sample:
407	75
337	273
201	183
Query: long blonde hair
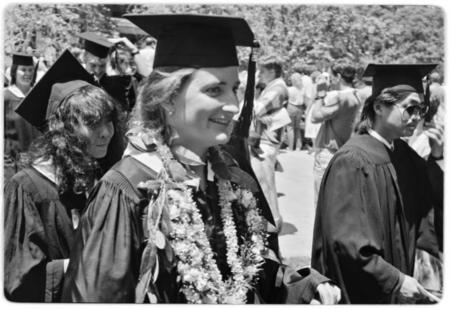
158	92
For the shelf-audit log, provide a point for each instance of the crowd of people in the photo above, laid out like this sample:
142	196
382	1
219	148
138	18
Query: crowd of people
145	172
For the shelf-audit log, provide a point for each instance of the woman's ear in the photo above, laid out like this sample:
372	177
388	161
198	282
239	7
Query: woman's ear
169	108
378	109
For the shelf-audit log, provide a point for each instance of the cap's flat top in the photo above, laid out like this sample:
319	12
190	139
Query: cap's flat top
34	106
422	68
160	25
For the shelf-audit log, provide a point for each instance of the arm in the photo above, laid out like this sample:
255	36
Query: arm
266	103
328	108
105	260
141	65
24	257
352	229
280	283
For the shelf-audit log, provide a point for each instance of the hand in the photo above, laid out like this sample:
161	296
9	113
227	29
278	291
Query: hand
411	292
329	294
435	134
126	42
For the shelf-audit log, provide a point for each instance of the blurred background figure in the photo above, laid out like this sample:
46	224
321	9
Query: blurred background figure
18	133
270	118
95	54
44	201
296	108
146	55
337	111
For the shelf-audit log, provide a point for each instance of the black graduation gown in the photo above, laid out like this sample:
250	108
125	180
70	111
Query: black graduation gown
38	236
18	133
123	88
370	206
106	260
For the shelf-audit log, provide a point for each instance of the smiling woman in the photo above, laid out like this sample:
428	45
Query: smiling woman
43	201
176	220
18	133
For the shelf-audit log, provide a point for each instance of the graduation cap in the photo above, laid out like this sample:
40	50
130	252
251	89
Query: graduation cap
96	44
188	40
390	75
22	59
195	40
64	76
207	41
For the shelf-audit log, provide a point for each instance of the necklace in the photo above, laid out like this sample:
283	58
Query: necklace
201	280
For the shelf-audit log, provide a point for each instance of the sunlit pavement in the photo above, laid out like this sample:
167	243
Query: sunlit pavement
295	188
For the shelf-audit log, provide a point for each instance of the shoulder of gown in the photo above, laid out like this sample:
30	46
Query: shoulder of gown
26	242
105	260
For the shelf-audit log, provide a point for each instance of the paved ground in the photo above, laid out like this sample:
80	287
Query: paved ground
296	197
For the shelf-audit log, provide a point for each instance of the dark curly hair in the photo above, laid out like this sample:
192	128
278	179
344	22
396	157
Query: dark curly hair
75	169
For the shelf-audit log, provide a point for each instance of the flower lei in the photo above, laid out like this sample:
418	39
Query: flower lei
200	276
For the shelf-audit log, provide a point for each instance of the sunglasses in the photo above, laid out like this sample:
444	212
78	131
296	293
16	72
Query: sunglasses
418	110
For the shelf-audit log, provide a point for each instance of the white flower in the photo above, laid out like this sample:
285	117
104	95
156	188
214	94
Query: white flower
198	271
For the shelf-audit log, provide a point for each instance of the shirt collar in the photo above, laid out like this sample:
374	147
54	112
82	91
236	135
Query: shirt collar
274	82
16	91
47	169
187	156
380	138
137	149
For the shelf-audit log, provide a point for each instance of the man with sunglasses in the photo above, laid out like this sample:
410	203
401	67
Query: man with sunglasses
376	192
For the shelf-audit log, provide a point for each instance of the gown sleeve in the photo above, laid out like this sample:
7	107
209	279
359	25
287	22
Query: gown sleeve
104	265
351	230
26	260
282	284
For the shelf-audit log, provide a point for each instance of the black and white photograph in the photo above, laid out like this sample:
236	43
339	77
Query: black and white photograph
223	153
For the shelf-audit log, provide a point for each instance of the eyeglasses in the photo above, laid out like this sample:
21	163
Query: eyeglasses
413	110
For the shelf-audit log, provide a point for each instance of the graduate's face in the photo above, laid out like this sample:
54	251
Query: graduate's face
24	75
402	118
98	135
125	63
95	65
203	110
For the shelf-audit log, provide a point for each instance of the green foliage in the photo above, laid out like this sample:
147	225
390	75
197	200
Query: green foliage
48	29
317	35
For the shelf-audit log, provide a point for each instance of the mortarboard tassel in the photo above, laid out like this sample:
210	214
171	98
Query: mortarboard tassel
243	125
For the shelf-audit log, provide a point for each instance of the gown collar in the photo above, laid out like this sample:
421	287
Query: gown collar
16	91
47	169
380	138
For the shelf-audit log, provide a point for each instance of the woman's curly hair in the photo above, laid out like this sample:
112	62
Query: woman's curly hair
75	169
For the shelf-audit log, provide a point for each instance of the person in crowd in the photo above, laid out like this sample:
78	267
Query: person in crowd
428	268
366	90
122	78
146	55
376	192
305	71
436	88
296	108
309	88
176	221
311	129
95	53
18	133
428	265
267	130
121	84
44	200
337	112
